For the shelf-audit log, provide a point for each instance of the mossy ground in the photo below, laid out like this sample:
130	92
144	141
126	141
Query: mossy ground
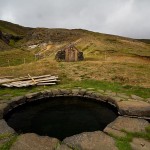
11	138
8	93
123	143
15	57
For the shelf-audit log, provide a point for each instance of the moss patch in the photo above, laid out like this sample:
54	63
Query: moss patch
7	145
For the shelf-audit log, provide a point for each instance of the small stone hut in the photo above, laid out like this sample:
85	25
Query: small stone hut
69	54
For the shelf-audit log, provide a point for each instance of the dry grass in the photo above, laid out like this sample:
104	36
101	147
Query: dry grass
107	57
132	74
15	57
34	68
125	70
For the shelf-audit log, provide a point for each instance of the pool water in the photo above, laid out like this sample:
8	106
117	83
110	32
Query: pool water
61	117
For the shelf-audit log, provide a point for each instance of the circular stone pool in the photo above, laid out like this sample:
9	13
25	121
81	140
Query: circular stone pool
61	117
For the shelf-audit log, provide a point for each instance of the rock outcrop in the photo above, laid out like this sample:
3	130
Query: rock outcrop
91	141
31	141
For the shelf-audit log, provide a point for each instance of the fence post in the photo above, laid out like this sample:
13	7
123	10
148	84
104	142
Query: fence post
105	56
8	63
24	60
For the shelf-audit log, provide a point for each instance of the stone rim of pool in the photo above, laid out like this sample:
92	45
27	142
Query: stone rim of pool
61	117
120	101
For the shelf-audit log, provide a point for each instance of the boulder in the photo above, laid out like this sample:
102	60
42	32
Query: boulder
75	92
134	108
148	100
110	93
3	109
17	100
56	92
65	91
114	132
49	93
140	144
126	123
123	95
4	128
31	141
137	97
63	147
91	141
34	96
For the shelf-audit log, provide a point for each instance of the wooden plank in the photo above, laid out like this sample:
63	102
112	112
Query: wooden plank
29	81
46	83
76	55
32	79
36	77
47	79
66	55
23	78
9	81
4	77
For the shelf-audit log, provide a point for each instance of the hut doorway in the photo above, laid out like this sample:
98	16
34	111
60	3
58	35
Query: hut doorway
69	54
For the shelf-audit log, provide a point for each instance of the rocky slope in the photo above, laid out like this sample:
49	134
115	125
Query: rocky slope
92	43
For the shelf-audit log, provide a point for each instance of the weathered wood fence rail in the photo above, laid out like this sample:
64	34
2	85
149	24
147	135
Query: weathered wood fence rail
28	81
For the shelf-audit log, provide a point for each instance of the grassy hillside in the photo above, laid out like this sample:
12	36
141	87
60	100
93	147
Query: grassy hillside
3	45
10	34
91	43
107	57
15	57
13	29
144	40
112	63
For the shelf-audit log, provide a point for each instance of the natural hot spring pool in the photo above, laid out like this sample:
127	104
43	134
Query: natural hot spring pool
61	117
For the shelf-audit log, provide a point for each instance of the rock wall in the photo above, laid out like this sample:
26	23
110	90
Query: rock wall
125	105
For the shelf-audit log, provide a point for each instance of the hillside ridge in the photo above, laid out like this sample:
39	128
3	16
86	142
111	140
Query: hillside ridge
14	36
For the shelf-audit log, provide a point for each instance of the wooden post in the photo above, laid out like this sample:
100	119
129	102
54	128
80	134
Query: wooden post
66	55
24	60
8	63
76	55
32	79
35	57
105	56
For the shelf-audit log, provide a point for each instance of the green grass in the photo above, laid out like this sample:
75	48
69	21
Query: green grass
7	145
11	28
15	57
12	43
3	136
113	86
6	30
123	143
8	93
144	135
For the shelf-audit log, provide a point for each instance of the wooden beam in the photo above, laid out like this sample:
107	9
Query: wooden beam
32	79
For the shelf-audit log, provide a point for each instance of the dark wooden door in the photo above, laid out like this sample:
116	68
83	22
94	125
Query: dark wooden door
71	55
